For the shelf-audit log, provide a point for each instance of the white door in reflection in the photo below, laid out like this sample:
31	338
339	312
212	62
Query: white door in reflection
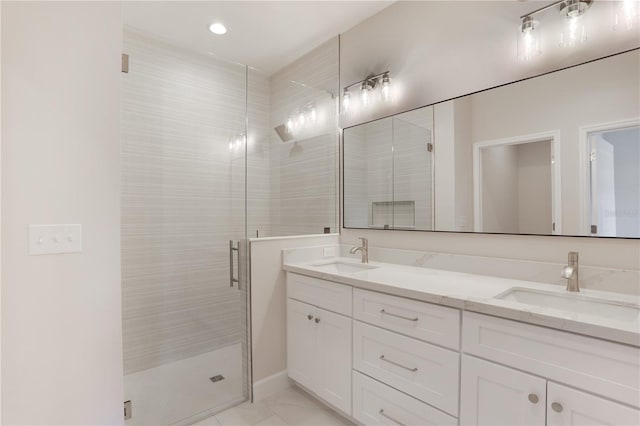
614	192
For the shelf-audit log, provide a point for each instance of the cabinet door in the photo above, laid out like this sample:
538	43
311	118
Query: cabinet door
333	372
301	342
494	395
568	406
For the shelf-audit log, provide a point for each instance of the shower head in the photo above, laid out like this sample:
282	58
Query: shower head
282	132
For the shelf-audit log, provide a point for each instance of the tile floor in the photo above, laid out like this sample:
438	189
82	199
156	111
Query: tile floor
291	407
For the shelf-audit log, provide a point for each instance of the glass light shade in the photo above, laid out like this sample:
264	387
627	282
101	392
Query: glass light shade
290	124
386	87
627	14
364	93
574	32
529	36
346	100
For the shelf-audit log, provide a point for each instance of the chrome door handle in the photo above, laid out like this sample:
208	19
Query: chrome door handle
414	369
557	407
232	279
317	320
533	398
382	311
309	317
381	412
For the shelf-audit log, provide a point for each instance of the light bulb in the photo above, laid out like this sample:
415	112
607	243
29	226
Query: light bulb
230	146
364	93
301	118
290	124
627	14
528	39
386	87
346	100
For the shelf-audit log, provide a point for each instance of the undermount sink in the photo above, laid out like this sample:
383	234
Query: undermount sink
575	303
342	267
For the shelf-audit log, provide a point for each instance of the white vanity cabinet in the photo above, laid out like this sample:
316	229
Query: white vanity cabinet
319	342
524	390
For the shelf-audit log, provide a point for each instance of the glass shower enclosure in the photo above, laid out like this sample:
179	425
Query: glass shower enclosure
184	229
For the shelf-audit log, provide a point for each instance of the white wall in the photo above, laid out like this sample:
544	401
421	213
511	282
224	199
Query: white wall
61	328
439	50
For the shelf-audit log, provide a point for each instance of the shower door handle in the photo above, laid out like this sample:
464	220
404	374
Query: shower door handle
232	279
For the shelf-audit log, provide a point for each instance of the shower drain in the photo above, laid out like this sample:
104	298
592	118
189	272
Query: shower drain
216	378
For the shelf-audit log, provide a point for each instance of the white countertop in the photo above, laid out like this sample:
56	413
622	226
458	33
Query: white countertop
476	293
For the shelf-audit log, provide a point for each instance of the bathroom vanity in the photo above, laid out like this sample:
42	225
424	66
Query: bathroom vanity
392	344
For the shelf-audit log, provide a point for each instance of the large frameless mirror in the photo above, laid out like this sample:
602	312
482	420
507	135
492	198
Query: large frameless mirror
557	154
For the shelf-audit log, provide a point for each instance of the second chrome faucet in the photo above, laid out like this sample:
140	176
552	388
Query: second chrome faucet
363	249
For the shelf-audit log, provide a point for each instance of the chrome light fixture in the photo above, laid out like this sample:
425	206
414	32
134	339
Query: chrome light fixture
573	31
368	87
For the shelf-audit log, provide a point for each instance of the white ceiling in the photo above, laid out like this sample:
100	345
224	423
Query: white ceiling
266	35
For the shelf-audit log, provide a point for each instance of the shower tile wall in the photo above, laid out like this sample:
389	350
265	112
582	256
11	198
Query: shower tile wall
182	200
304	171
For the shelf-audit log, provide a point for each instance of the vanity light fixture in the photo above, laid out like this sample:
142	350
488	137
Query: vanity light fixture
368	88
626	14
218	28
573	31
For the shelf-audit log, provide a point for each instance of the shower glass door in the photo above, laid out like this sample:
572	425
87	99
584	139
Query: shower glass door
184	289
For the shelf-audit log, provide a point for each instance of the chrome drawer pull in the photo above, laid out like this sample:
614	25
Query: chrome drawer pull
382	311
398	365
381	412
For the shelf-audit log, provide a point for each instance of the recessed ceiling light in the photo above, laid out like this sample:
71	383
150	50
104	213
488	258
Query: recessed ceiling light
218	28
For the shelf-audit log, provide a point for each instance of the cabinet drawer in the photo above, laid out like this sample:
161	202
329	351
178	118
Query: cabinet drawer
602	367
377	404
422	370
424	321
324	294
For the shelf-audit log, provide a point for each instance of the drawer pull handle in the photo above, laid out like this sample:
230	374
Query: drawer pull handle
309	317
382	413
533	398
398	365
557	407
317	320
382	311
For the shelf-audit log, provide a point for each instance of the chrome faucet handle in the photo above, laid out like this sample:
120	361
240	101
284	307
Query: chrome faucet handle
365	242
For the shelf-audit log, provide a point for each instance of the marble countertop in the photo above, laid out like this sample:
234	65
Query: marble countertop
477	293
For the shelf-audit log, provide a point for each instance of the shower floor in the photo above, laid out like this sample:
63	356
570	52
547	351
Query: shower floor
181	392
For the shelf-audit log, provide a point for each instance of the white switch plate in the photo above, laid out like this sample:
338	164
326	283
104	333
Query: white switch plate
55	239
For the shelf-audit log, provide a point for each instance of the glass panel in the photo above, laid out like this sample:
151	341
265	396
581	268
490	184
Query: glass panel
368	175
413	170
183	201
303	155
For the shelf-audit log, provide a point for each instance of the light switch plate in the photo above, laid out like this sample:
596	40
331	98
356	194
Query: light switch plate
55	239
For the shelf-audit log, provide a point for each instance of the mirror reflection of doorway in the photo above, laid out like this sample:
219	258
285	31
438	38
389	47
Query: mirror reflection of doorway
517	185
614	181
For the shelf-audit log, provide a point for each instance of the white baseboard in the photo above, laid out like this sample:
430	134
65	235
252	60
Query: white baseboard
270	385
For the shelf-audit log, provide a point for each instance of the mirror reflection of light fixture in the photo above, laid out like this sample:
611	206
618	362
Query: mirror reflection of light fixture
528	39
574	30
368	87
626	14
346	99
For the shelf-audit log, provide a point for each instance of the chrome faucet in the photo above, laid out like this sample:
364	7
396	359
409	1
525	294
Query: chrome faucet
570	272
363	249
